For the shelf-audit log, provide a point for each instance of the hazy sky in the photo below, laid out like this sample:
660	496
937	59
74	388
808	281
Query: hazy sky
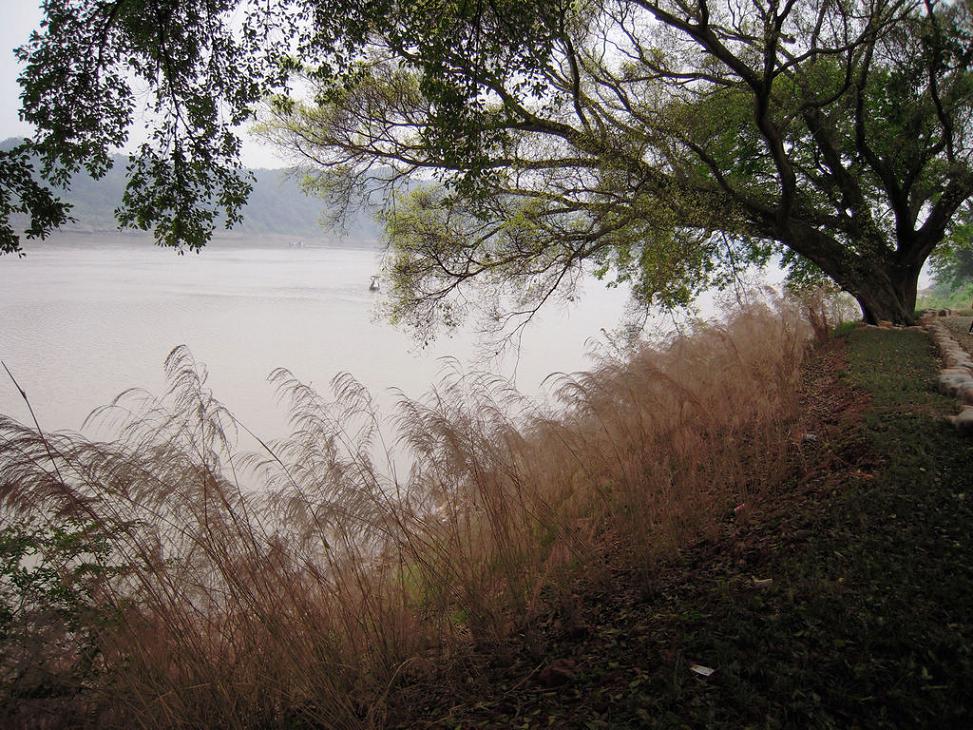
17	19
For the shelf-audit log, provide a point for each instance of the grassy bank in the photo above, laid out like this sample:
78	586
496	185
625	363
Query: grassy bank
800	527
143	585
845	599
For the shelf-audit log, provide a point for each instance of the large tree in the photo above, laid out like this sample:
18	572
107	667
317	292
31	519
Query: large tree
668	142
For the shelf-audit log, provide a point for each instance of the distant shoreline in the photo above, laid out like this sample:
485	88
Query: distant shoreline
68	239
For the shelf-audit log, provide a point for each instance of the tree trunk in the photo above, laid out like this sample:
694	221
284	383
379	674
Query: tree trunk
886	294
884	286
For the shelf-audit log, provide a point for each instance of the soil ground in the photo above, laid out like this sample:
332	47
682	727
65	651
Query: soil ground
845	599
959	327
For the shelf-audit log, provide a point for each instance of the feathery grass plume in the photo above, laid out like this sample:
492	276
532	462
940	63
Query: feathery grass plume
204	586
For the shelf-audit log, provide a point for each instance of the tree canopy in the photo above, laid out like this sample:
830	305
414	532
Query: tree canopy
666	143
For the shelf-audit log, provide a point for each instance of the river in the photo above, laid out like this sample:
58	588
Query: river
83	319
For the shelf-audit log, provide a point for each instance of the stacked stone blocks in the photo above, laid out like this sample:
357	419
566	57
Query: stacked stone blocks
956	379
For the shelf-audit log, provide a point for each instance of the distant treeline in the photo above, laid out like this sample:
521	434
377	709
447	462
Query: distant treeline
277	206
945	294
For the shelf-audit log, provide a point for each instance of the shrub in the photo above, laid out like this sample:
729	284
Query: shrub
53	610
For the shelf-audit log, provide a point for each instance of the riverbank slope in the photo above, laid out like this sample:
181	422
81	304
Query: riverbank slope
845	599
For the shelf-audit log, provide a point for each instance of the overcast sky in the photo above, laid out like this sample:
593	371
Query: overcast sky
17	19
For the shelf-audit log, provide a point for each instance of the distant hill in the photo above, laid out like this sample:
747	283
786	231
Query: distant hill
277	207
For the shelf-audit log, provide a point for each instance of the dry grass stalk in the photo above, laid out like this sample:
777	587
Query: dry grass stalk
302	600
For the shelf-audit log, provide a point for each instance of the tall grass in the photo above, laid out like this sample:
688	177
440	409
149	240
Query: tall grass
304	598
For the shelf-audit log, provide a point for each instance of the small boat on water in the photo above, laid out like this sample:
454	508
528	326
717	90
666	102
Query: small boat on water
374	285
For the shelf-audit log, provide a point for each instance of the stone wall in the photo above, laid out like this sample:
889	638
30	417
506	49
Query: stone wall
956	379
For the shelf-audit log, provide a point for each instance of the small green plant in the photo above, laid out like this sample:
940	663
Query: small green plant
51	610
843	328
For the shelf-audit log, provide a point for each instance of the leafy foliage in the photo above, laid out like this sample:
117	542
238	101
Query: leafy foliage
21	194
83	72
952	263
669	143
52	607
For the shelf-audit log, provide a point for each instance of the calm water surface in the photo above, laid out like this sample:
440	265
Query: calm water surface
80	323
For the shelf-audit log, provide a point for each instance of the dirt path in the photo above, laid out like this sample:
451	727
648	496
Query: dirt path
959	327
